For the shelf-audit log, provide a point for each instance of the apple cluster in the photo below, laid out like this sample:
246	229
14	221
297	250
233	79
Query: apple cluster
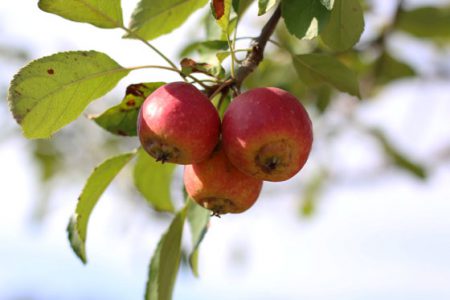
265	135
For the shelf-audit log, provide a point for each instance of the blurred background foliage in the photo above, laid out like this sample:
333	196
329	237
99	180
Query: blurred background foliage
380	60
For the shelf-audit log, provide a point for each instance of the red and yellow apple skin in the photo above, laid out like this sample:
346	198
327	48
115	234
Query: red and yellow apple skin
219	186
267	134
177	123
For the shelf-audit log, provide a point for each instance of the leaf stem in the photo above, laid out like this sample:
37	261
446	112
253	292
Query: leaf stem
196	80
233	58
137	36
219	104
154	67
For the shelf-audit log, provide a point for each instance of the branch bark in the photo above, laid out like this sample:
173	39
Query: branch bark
256	55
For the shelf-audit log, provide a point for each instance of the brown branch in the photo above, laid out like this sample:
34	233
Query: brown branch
256	55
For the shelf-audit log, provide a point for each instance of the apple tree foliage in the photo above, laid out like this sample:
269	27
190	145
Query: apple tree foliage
326	59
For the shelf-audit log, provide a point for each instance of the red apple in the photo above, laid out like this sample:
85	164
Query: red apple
177	123
219	186
267	134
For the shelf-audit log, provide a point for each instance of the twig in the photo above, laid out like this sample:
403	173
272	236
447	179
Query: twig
220	87
256	55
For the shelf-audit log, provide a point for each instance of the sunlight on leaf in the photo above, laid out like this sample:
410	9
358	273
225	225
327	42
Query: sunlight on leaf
153	179
316	69
53	91
103	14
121	119
198	218
166	261
304	19
265	5
221	10
426	22
153	18
345	26
96	184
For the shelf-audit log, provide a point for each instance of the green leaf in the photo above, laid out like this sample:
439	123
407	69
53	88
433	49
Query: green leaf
153	179
222	55
166	261
240	6
198	218
231	26
311	194
96	184
214	31
206	47
100	13
316	69
426	22
48	157
345	26
323	99
399	159
304	19
389	69
122	118
53	91
265	5
221	103
153	18
221	10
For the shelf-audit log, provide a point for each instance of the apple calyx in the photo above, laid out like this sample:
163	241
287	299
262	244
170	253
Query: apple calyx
218	206
161	151
273	157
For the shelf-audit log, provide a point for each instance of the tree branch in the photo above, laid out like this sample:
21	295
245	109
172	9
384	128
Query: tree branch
256	55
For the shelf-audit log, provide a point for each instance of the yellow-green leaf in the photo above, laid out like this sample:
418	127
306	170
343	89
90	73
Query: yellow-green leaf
153	18
198	218
166	261
398	158
122	118
317	69
388	69
96	184
100	13
265	5
306	18
311	194
153	180
221	10
426	22
240	6
53	91
345	26
205	47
